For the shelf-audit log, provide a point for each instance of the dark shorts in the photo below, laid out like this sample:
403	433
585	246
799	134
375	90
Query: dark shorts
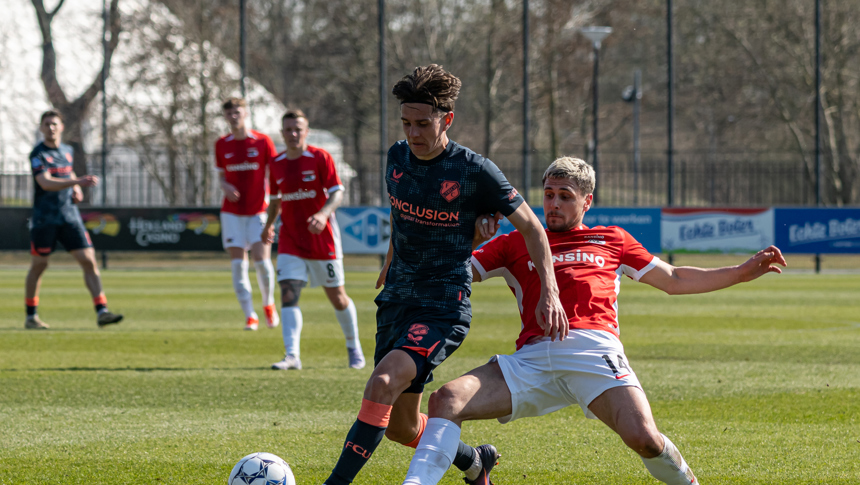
72	235
428	335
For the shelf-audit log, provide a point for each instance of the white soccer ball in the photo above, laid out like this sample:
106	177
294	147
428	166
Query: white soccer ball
261	469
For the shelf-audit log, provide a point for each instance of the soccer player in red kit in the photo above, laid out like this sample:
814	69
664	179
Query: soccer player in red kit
241	159
588	367
308	190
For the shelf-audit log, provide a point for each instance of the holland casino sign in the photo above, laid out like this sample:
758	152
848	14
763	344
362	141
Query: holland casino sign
172	229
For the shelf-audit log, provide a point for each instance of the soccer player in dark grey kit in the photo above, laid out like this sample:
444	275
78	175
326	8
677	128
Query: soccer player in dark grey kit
437	188
56	218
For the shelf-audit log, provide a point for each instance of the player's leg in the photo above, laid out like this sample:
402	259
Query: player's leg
233	240
86	258
347	317
627	412
75	238
32	285
392	375
292	277
262	255
480	394
43	239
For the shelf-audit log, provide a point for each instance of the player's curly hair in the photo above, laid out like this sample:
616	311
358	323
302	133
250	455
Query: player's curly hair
429	85
575	169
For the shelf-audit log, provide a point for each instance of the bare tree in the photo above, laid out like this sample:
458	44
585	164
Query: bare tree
74	111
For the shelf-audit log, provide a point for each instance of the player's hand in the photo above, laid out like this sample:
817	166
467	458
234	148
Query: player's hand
551	316
231	193
77	194
316	223
763	262
268	235
87	181
486	227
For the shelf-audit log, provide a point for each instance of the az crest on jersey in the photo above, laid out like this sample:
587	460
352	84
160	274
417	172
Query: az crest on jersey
450	190
253	152
308	176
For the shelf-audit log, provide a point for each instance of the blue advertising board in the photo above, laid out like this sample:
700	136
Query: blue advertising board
366	230
814	231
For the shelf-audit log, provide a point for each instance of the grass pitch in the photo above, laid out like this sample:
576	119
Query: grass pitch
758	384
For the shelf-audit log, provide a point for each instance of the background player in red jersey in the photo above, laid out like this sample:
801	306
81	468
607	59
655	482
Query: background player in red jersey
588	368
308	190
241	159
56	218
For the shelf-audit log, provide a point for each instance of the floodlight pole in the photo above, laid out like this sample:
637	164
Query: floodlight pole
104	101
670	128
243	46
526	105
818	168
633	94
383	106
596	36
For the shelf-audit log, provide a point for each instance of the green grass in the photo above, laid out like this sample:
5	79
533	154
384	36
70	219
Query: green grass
758	384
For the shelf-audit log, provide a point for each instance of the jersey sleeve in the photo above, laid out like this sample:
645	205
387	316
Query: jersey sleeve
37	165
490	258
219	156
635	259
271	151
328	173
500	195
274	175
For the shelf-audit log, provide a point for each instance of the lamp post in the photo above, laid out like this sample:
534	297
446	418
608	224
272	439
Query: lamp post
633	94
596	36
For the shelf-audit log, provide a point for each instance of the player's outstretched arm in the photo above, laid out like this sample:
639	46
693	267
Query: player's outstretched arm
687	280
549	312
231	193
268	235
53	184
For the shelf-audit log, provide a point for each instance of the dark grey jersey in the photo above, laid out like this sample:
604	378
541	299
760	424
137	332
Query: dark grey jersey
434	205
53	207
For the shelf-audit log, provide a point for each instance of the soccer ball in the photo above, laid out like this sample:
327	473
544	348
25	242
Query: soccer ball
261	469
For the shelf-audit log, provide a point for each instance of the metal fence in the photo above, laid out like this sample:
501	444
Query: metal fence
141	179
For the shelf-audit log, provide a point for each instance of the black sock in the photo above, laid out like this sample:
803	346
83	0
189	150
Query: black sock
31	310
361	442
100	307
465	456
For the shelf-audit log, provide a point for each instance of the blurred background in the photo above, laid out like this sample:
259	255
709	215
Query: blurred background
734	126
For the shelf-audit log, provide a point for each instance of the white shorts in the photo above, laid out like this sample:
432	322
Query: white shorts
547	376
241	231
325	272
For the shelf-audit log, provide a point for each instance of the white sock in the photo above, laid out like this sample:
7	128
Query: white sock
669	466
435	452
266	280
291	329
242	286
348	320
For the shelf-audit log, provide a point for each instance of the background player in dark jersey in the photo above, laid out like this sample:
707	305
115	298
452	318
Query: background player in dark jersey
56	218
589	368
437	189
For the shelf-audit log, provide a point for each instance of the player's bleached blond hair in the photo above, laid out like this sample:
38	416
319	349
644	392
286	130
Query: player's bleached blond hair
575	169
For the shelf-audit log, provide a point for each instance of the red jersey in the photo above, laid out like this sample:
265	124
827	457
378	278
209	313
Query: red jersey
588	267
304	185
243	163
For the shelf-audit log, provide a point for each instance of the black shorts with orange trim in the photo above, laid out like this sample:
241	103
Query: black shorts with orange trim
428	335
72	235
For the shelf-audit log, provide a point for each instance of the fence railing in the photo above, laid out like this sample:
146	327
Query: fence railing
152	180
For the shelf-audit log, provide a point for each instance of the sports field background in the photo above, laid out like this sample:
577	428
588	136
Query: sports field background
758	384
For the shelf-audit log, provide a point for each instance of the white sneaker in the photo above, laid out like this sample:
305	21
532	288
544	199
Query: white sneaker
289	362
356	359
